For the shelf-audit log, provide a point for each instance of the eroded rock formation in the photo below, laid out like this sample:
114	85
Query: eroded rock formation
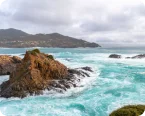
38	72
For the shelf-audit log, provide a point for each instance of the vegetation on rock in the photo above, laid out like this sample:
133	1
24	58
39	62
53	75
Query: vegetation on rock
50	57
34	52
130	110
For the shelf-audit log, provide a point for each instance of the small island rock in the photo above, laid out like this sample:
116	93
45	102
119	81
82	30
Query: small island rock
115	56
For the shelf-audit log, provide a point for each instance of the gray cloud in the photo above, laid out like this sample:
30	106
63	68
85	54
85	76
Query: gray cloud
118	21
112	23
50	12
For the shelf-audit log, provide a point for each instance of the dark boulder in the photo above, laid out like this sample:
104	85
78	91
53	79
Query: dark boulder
115	56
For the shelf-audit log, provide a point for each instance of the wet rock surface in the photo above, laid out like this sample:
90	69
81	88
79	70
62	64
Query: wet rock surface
38	72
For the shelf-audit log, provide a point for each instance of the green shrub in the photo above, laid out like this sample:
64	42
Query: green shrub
34	52
130	110
50	57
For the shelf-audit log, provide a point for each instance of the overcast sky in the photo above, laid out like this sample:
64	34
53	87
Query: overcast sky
117	22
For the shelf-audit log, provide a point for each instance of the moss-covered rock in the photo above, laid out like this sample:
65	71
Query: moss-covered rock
50	57
130	110
34	52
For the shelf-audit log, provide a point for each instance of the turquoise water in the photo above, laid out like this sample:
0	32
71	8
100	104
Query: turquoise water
114	83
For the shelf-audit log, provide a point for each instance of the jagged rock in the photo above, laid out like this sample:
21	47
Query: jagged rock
140	56
130	110
115	56
87	68
38	72
8	64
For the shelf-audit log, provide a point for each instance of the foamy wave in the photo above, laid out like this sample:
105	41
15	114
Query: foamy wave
85	83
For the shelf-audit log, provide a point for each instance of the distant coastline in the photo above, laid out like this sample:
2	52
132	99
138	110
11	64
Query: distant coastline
12	38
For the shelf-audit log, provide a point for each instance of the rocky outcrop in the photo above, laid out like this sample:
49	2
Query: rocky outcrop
115	56
38	72
131	110
140	56
8	64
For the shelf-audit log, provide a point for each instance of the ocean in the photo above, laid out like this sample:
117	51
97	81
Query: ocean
113	84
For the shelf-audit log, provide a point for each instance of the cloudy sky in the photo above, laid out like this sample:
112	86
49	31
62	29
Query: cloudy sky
108	22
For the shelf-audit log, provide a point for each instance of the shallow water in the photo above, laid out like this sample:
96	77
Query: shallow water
114	83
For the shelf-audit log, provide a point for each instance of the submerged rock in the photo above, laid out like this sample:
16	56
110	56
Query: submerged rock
128	57
38	72
131	110
68	59
115	56
8	64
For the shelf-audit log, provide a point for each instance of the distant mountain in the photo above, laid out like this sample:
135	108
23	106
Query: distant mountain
17	38
11	33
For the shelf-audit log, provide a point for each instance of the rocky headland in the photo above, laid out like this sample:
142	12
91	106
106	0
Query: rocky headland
38	72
